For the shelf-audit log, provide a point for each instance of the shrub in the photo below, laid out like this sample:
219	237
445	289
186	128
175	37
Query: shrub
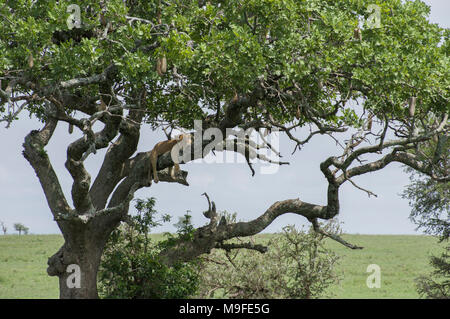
437	284
296	265
130	267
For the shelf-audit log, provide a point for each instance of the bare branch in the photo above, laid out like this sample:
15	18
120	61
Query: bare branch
335	237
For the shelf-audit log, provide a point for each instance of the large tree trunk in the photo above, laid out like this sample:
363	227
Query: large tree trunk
77	261
86	266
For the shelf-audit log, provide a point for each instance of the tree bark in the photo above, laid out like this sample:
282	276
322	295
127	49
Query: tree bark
77	261
61	265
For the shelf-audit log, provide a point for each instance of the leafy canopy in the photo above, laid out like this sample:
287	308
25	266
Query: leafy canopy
222	47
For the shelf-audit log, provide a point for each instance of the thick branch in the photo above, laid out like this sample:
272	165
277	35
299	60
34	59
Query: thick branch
76	154
140	164
37	157
112	170
295	206
213	235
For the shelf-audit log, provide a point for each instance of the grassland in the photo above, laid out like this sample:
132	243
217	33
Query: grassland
23	264
401	259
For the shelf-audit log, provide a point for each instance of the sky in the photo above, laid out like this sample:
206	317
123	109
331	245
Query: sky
230	185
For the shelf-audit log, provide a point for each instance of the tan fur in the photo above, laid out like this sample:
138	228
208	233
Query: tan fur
161	148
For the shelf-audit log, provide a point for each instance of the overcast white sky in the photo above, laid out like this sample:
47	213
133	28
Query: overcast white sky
231	186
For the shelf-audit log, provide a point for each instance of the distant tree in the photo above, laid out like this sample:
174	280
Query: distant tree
4	228
21	228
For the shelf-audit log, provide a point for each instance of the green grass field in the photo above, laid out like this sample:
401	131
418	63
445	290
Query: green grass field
401	259
23	264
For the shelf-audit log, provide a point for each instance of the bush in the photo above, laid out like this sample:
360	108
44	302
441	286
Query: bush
130	267
297	265
437	284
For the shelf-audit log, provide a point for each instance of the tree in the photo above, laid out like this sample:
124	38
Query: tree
4	228
430	202
431	212
21	228
436	285
430	199
261	65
